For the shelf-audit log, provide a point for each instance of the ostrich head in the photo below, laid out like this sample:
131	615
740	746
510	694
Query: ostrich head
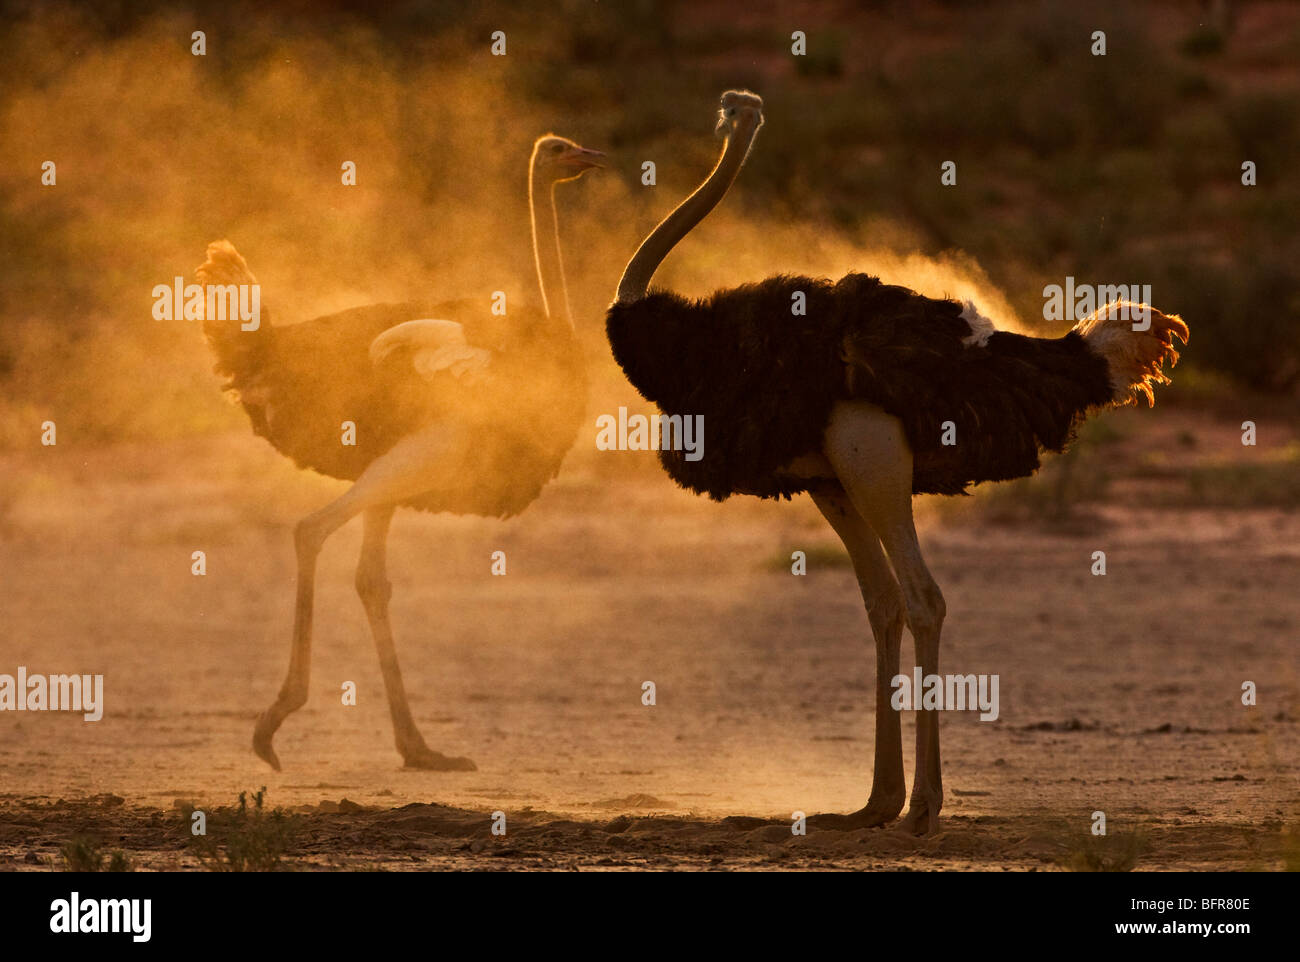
557	159
740	114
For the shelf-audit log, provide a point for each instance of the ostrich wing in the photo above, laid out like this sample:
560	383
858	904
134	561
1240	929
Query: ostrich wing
434	346
318	374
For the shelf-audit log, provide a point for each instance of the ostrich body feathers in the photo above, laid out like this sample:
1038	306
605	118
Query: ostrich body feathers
766	379
299	383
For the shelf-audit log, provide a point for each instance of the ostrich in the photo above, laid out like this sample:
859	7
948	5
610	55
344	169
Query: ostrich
848	403
472	417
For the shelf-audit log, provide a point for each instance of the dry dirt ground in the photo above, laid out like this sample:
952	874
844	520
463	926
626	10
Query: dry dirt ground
1118	693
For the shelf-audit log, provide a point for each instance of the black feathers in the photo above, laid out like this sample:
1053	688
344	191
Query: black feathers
765	380
756	373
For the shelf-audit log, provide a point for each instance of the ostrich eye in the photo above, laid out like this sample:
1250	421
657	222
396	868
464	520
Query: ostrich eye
557	148
731	111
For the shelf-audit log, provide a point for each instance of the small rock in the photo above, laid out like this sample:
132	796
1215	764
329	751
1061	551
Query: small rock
618	825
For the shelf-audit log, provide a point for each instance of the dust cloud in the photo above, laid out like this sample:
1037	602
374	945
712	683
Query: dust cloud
616	577
159	152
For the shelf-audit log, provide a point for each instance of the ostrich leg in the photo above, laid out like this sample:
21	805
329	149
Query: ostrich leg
869	452
427	461
293	693
375	591
884	602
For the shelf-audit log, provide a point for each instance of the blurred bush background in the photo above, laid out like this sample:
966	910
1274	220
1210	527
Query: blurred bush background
1117	169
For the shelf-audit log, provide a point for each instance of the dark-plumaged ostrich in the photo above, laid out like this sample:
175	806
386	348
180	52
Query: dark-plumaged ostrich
850	402
471	416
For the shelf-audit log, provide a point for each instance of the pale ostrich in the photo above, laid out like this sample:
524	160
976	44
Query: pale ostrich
471	416
848	403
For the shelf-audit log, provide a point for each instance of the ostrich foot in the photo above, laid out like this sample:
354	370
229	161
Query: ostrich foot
267	723
922	816
876	813
290	699
426	759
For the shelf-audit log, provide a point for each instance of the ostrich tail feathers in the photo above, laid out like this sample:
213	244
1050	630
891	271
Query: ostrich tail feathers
240	354
224	265
1135	340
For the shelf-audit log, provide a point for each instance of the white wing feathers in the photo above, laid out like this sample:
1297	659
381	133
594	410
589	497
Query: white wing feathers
981	327
435	346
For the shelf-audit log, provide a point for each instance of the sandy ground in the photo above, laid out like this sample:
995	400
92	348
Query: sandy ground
1118	693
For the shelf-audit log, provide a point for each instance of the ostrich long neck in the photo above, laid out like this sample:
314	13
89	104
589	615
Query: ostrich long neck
546	246
644	263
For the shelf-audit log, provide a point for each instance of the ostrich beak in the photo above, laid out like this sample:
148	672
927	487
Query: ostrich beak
582	159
